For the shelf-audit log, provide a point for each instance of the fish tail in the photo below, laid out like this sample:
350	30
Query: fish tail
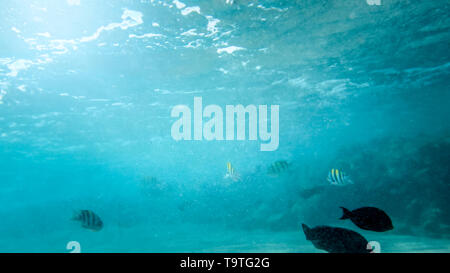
346	214
75	215
306	230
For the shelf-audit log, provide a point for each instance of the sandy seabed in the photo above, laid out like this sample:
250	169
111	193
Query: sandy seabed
201	238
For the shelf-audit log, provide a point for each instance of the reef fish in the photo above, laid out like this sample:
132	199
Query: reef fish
152	186
231	173
277	168
368	218
89	220
338	178
336	240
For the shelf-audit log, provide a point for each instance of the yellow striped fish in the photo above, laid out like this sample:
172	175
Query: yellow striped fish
278	167
338	178
231	173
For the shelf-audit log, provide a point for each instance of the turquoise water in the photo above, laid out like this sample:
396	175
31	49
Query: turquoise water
86	94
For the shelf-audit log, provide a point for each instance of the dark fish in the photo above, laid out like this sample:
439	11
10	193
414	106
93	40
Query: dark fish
369	218
277	168
89	220
336	240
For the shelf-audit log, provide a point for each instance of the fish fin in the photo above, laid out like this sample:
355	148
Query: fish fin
75	215
346	214
306	230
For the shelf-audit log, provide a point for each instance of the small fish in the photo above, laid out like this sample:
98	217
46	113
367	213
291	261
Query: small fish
368	218
149	181
338	178
151	185
277	168
336	240
89	220
231	173
186	204
311	192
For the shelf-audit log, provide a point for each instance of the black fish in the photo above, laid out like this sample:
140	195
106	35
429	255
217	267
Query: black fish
369	218
336	240
89	220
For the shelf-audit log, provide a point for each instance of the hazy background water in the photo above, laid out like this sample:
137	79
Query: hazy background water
86	89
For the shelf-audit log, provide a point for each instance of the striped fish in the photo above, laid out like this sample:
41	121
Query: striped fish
151	186
338	178
277	168
89	220
231	173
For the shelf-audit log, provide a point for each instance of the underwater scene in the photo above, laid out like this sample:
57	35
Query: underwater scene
305	126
